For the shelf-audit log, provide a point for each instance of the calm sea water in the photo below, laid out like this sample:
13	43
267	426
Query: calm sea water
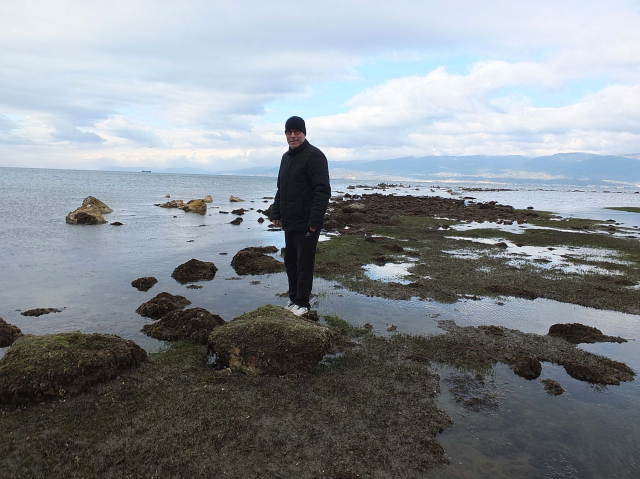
86	271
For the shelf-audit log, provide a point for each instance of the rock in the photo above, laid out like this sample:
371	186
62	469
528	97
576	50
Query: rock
194	286
145	283
193	325
552	387
270	340
116	223
172	204
162	304
235	199
577	333
208	199
167	196
261	220
593	374
239	211
236	222
39	311
85	215
508	290
54	365
527	367
97	205
255	261
194	270
8	333
195	206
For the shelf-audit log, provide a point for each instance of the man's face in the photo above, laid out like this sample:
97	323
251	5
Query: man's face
295	138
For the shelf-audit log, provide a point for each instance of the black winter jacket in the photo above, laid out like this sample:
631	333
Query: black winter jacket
303	189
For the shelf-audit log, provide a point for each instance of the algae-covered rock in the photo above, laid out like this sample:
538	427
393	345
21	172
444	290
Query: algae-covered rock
577	333
193	324
8	333
195	206
253	260
194	270
145	283
171	204
528	367
97	205
271	340
53	365
162	304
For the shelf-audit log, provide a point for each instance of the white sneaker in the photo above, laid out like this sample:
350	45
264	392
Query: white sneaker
289	305
298	310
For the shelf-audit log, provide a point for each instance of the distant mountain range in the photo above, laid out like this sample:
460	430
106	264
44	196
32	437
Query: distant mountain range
574	168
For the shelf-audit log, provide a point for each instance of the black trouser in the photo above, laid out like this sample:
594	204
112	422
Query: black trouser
299	260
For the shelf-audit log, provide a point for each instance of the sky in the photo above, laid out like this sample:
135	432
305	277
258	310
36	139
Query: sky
209	84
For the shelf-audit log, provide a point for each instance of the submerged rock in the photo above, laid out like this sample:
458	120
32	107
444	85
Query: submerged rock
253	260
577	333
193	324
552	387
53	365
162	304
194	270
39	311
237	221
145	283
8	333
270	340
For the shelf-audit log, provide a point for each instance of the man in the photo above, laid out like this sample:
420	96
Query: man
299	207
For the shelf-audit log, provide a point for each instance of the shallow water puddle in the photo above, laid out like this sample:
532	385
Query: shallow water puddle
546	257
389	272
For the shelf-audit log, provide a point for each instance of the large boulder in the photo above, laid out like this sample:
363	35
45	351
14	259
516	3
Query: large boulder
162	304
253	260
194	270
195	206
270	340
85	215
53	365
8	333
193	324
97	205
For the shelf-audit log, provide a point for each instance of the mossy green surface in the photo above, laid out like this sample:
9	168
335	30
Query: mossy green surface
630	209
270	339
439	274
52	365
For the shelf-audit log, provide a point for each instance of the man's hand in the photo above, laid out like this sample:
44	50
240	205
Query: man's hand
312	228
276	222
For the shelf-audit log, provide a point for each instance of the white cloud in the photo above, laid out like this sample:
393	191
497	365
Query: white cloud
164	82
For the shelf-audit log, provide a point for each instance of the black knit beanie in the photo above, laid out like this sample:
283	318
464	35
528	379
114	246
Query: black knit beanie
295	123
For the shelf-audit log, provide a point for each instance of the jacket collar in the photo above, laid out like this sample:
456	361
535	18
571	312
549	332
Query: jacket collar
298	149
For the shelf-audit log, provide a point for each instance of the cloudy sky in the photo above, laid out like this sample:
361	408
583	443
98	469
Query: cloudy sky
209	84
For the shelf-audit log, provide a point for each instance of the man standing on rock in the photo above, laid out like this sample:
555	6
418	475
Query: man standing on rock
299	207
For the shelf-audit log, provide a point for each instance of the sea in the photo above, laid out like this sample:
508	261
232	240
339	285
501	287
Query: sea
86	273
